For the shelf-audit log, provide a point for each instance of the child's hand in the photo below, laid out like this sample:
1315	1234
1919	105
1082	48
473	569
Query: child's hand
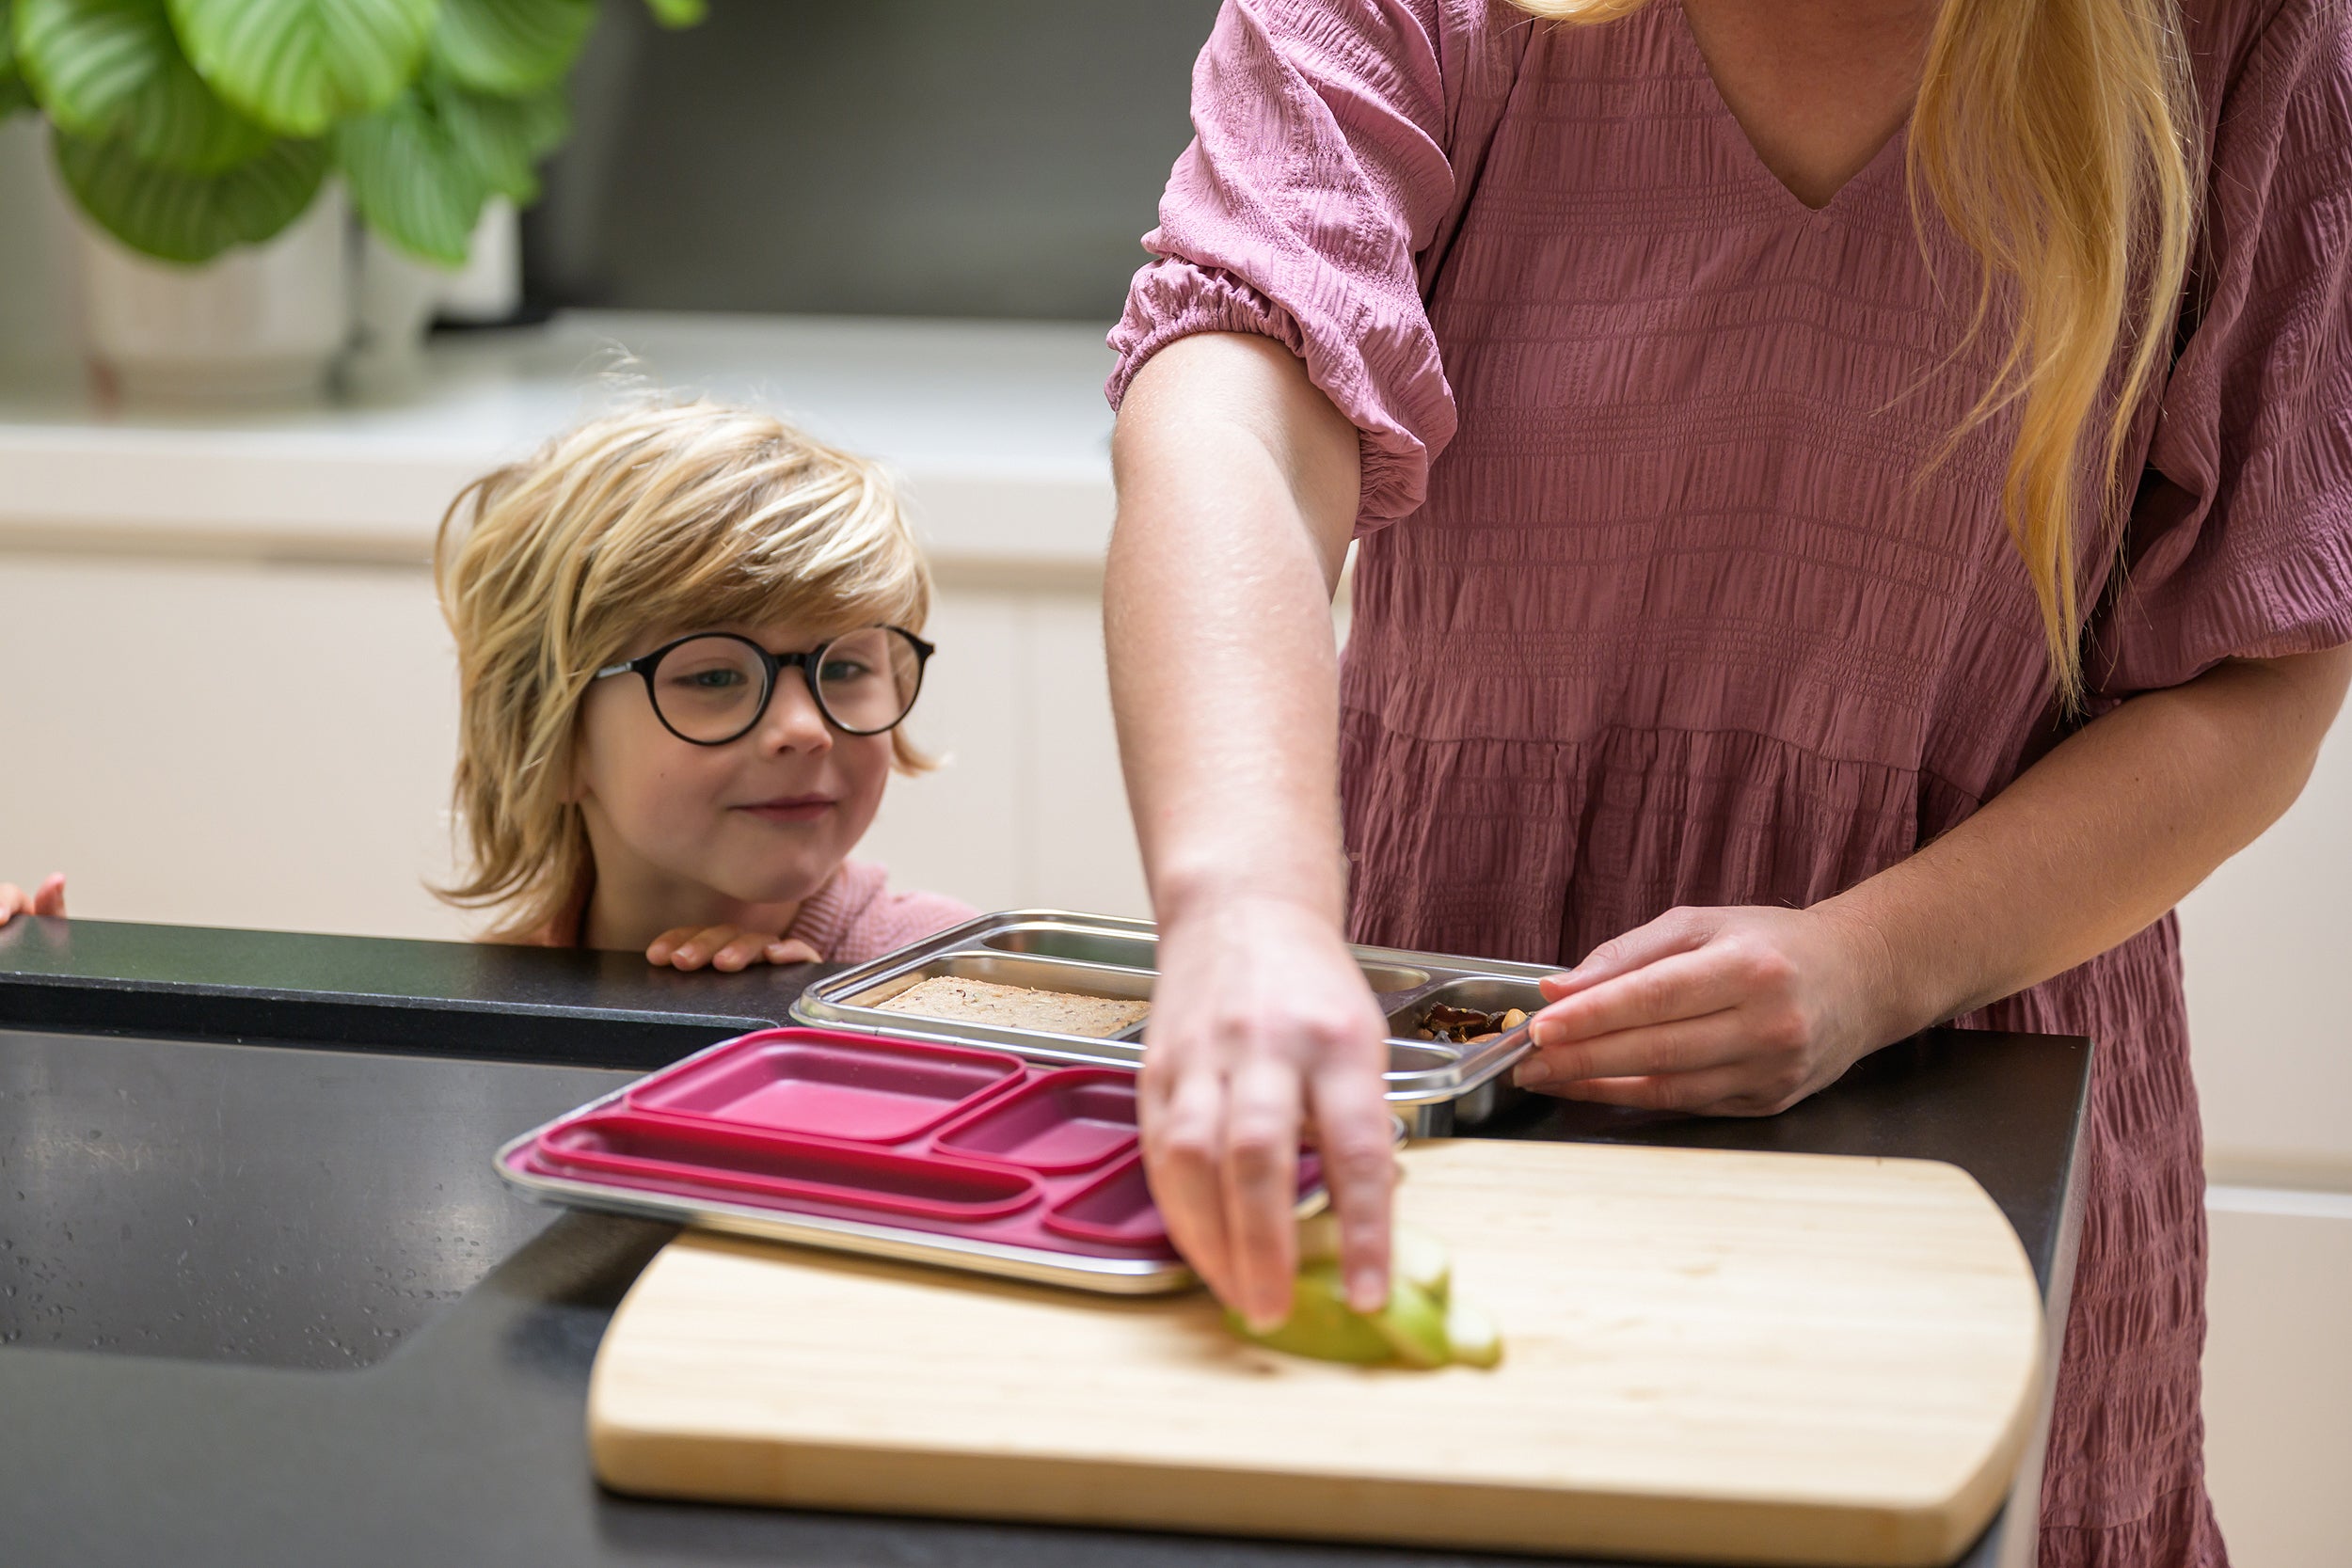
49	898
726	947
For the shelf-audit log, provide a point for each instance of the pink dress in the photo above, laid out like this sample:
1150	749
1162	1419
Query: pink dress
1653	607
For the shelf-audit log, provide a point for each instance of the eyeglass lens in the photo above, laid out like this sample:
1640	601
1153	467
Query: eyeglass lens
714	688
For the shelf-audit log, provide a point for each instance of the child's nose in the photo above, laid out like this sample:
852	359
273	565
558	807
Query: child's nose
793	721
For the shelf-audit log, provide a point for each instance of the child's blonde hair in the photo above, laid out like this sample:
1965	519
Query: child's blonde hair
662	517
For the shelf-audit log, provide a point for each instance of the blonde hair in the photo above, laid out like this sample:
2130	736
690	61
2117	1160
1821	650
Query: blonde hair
663	517
2059	139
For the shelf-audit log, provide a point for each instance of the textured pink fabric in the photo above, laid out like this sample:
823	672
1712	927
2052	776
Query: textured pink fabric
1654	605
857	916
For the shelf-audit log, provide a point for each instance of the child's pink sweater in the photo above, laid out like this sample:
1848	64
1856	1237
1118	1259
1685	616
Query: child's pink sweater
853	917
857	916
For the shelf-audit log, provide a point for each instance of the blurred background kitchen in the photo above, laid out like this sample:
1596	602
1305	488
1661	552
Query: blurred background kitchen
906	224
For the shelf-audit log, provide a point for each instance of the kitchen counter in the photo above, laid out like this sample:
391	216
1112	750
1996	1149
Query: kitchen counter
265	1301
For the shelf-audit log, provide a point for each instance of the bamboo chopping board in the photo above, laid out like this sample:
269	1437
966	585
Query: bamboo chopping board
1727	1356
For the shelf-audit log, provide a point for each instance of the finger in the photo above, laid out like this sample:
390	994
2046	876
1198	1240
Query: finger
695	950
1263	1108
665	946
1684	985
1685	1045
49	898
792	950
739	952
13	902
1183	1114
1732	1091
1356	1140
1676	931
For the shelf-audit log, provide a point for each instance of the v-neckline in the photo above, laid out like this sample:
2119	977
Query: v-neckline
1743	146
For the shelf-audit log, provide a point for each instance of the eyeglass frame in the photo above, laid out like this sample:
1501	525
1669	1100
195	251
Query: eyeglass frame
644	664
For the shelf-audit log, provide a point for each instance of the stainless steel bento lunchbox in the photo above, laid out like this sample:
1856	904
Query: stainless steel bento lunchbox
1438	1087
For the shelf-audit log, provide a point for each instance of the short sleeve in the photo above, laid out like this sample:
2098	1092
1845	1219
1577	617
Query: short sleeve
2240	544
1316	175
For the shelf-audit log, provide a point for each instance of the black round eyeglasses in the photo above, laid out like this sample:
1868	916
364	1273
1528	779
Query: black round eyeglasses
714	687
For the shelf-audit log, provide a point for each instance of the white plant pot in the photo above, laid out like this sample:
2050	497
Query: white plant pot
40	304
261	322
394	299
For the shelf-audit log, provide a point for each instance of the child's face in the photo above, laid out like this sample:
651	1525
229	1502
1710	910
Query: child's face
764	820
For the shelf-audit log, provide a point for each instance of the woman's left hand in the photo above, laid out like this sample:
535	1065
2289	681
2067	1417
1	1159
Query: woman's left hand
1719	1011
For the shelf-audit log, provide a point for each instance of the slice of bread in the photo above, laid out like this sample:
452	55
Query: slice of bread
1054	1012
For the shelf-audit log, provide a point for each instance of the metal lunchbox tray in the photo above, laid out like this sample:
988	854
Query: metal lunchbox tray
908	1146
1111	955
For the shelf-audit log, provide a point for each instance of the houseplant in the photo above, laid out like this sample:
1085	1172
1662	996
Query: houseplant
190	129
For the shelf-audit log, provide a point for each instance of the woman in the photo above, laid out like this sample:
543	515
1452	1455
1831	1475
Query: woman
1855	504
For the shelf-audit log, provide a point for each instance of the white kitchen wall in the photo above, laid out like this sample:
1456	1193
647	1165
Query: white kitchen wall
241	743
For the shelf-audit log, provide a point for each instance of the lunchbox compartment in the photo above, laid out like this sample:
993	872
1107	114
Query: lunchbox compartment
1054	976
874	1091
1115	1209
1057	1123
1029	973
1119	949
1485	993
1077	943
664	1154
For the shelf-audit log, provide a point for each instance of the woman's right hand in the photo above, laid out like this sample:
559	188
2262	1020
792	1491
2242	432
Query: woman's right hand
1261	1025
48	898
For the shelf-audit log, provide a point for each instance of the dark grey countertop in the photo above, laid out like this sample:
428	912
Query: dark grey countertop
264	1300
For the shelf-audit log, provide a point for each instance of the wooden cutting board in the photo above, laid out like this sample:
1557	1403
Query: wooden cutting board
1713	1356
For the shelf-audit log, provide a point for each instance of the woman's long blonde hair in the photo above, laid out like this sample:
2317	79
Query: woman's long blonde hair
654	521
2058	138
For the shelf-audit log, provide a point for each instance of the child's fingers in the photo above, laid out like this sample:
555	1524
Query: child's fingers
695	948
740	950
13	902
665	945
49	898
792	950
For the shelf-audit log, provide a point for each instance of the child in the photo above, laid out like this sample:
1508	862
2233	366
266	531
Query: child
686	637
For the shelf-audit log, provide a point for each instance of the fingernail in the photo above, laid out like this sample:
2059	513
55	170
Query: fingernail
1530	1074
1259	1324
1367	1291
1546	1032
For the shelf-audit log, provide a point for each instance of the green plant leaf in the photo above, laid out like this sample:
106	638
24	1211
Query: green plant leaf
180	124
679	14
14	95
301	65
503	138
511	47
88	60
107	68
190	218
410	180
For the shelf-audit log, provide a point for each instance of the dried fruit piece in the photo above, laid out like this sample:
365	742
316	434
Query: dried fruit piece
1472	1336
1420	1325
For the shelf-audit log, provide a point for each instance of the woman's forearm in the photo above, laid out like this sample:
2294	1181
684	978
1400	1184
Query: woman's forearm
1237	488
1237	485
2098	839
